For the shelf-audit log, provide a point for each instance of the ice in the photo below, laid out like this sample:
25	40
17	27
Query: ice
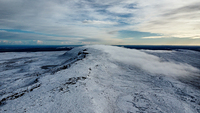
100	79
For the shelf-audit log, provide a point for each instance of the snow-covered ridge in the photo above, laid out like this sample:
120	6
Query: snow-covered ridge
100	79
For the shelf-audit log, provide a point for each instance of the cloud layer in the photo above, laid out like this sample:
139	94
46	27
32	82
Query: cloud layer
61	21
147	62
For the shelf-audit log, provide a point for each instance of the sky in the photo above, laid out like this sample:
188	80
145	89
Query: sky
111	22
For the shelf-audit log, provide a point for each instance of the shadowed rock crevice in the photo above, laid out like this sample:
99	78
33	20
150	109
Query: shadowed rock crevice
74	80
48	66
65	86
81	55
18	94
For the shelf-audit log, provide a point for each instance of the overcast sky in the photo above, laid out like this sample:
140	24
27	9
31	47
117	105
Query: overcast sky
116	22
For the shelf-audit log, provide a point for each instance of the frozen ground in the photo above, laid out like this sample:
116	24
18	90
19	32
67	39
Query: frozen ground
100	79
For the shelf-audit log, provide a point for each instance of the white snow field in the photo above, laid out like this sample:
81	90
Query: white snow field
100	79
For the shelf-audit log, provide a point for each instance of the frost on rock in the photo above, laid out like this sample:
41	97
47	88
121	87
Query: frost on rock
100	79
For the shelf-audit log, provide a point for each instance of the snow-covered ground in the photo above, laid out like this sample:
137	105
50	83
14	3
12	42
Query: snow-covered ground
100	79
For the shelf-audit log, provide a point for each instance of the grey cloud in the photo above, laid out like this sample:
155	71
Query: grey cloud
67	17
90	40
86	21
131	6
24	36
168	19
185	9
113	32
46	16
178	22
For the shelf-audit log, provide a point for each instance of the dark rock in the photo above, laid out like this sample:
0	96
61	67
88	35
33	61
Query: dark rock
84	78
